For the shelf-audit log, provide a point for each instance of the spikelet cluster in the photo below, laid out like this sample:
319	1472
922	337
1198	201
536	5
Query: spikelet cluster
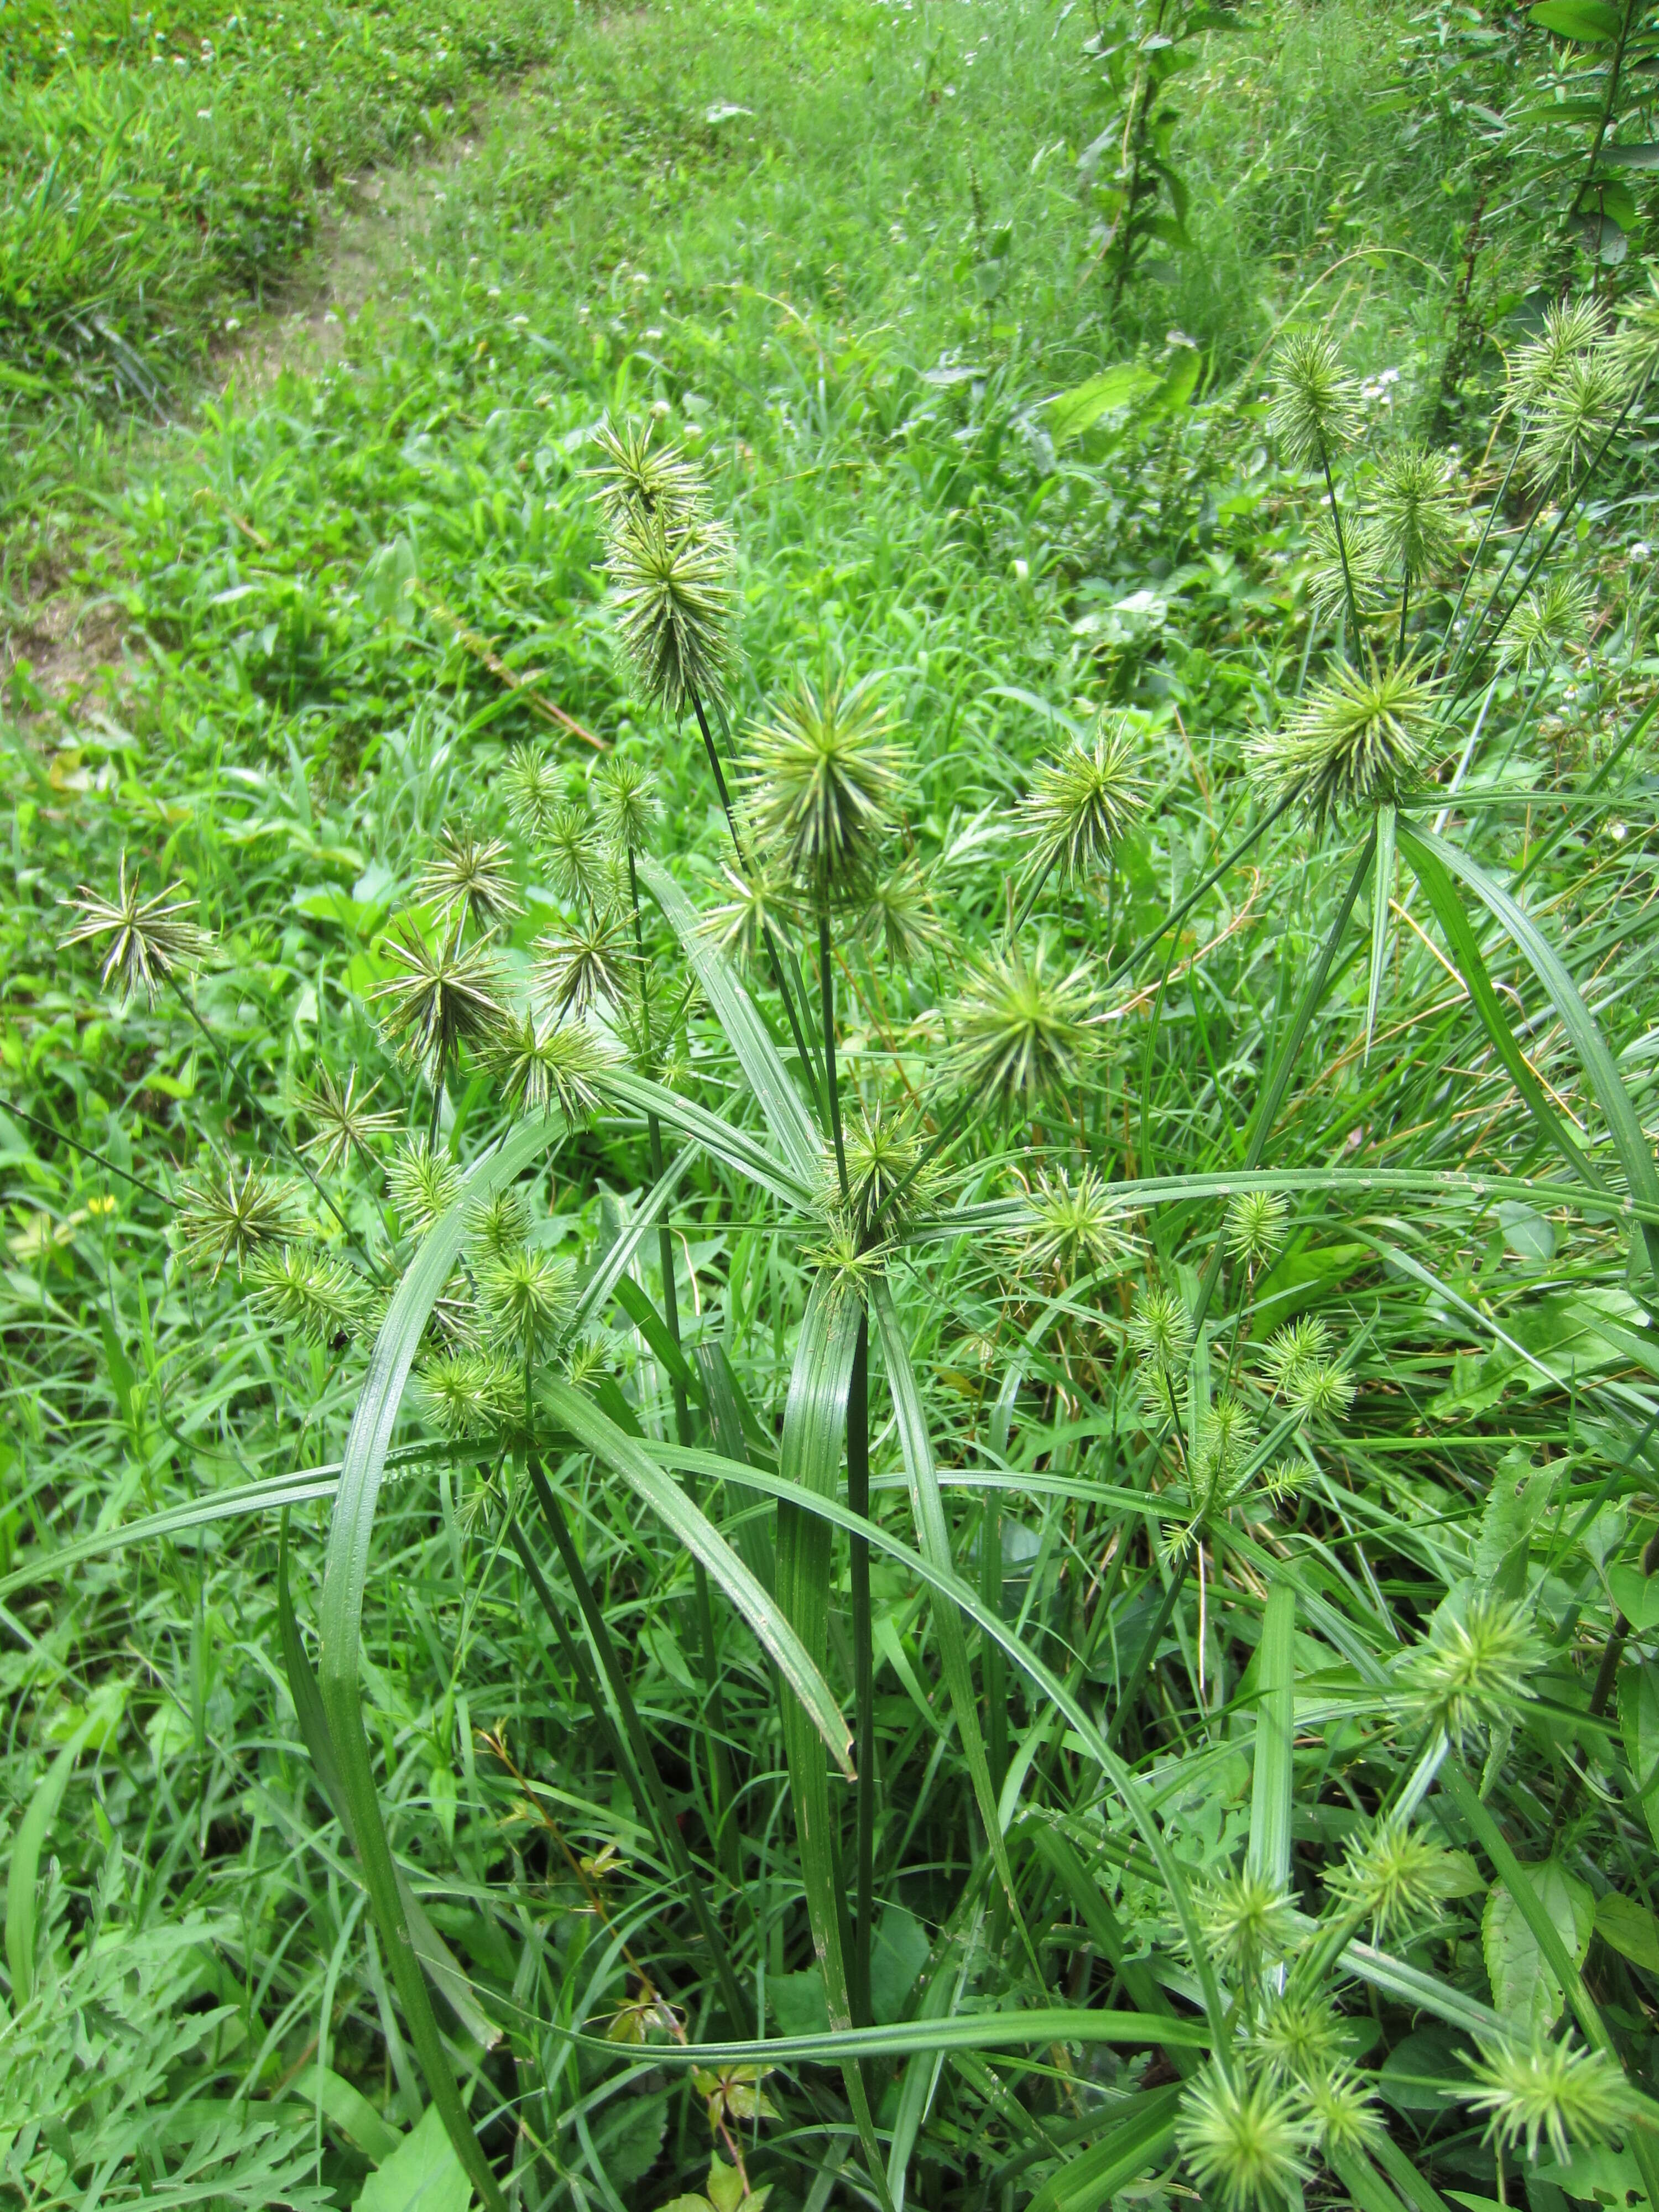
670	567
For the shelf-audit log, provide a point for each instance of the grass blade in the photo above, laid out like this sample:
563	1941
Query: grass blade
1382	891
1269	1849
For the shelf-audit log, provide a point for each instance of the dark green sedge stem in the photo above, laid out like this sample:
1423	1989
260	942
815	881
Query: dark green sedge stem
437	1104
827	1000
720	1776
260	1112
1405	604
774	952
1342	549
1154	1637
669	1833
1605	1676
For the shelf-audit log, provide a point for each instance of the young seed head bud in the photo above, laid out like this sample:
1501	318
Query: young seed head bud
1225	1438
1557	2093
542	1065
1290	1349
1247	1922
442	995
1256	1225
470	873
1244	2145
1074	1228
824	786
575	857
898	916
1393	1875
636	479
341	1119
625	802
1414	523
762	902
1321	1390
1356	740
1328	581
1297	2040
883	1149
1474	1671
149	940
303	1288
422	1184
470	1393
530	1295
583	962
1342	2109
1083	805
1316	405
1019	1031
1572	327
1161	1330
672	600
1546	622
500	1225
1283	1480
1571	421
224	1215
534	788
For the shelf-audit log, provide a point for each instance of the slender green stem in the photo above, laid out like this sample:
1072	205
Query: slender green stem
437	1103
720	1775
992	1667
1342	551
668	1831
774	951
1405	604
85	1152
827	1000
1451	631
864	1711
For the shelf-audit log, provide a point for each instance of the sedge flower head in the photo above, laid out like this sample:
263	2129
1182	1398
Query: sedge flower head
1392	1875
1291	1348
534	787
150	940
1245	2143
1572	327
673	597
1083	805
575	860
636	479
887	1182
304	1288
530	1295
1161	1330
825	779
1327	578
584	961
1297	2040
1637	344
500	1225
1342	2111
1473	1671
1073	1225
898	916
1571	420
1020	1030
1256	1225
625	803
1558	2092
1414	516
1247	1920
472	873
1225	1439
423	1182
757	904
468	1392
1356	740
1321	1390
227	1214
1545	622
1283	1480
342	1122
1316	404
541	1065
441	996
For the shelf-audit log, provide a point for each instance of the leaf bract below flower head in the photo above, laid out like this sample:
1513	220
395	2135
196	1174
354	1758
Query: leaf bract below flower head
1020	1030
823	788
1358	740
1316	404
1074	1227
673	600
341	1119
224	1217
541	1065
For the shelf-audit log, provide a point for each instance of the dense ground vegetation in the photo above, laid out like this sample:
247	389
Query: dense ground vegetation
989	1416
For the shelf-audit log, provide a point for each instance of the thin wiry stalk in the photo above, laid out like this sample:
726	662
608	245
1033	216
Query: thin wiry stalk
1342	549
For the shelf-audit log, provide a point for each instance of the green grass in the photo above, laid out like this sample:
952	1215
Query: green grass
769	230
